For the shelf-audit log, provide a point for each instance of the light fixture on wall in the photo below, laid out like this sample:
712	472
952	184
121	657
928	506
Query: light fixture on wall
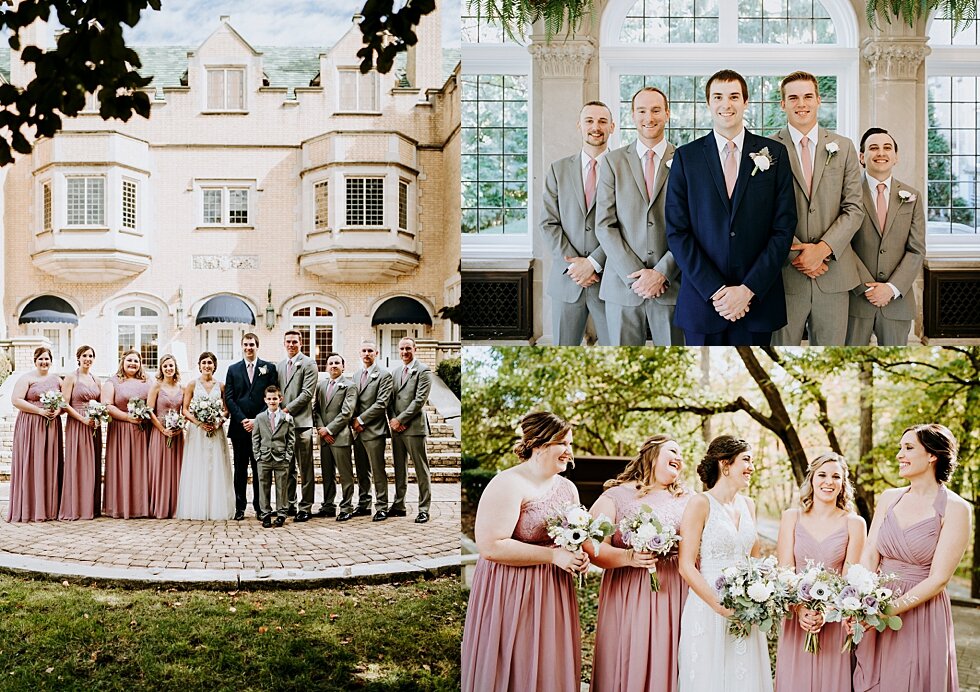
180	307
270	312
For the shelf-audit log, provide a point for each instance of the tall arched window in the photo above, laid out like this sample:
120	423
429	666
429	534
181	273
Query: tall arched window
316	326
138	327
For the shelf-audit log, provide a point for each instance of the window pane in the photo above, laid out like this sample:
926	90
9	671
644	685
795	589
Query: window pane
235	96
225	344
237	206
402	204
784	21
953	161
216	89
374	202
95	201
320	218
348	90
76	201
46	204
129	204
671	21
127	338
355	201
212	206
148	347
368	96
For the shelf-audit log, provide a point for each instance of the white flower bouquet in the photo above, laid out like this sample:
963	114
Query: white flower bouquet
815	587
138	409
572	525
52	400
864	597
208	411
645	533
99	412
758	591
173	420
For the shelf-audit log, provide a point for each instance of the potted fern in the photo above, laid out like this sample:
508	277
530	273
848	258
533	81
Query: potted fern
516	15
961	12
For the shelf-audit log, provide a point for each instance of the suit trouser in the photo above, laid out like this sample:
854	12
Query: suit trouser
629	324
736	334
823	314
266	471
243	458
403	446
303	459
569	319
334	461
888	332
369	459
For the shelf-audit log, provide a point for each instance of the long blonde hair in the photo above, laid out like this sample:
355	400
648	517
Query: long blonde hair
846	494
641	468
121	372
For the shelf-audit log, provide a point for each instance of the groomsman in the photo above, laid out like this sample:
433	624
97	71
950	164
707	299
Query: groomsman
730	230
890	246
568	225
297	380
336	397
409	427
822	270
641	280
370	426
244	391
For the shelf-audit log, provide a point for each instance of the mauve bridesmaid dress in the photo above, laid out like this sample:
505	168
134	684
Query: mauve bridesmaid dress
126	475
164	462
83	456
37	461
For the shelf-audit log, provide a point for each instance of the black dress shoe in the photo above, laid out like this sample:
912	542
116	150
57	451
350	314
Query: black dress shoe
362	512
239	515
380	515
345	516
326	512
267	522
397	512
422	518
302	516
279	521
291	512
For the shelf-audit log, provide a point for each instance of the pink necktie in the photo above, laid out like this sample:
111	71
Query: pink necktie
807	162
363	378
731	167
272	420
405	375
881	207
330	390
251	372
289	370
649	173
590	184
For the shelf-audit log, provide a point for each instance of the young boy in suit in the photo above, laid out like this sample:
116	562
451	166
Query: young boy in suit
273	437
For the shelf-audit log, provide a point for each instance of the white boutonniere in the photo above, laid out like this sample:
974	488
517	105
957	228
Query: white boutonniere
669	162
374	375
286	416
263	369
906	196
832	150
762	160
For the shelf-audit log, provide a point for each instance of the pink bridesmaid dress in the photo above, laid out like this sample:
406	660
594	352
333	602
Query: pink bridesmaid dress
83	457
522	628
164	462
126	474
828	669
922	655
37	461
637	629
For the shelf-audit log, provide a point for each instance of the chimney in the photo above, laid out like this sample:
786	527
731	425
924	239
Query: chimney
423	65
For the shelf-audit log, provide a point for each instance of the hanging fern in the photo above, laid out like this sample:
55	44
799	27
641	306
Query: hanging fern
961	12
515	15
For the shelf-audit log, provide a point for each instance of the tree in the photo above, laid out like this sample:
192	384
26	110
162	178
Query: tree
388	33
942	205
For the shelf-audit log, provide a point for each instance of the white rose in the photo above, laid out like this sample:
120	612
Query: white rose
736	590
578	516
730	572
832	147
645	533
760	591
761	162
851	603
669	163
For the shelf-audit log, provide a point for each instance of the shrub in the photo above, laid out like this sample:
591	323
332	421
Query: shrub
449	371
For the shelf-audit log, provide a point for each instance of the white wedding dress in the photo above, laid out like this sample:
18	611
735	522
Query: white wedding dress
206	490
711	660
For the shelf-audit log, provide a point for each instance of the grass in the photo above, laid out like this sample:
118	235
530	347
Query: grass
372	638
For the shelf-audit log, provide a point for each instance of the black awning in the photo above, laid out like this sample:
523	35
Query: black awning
48	309
401	310
225	309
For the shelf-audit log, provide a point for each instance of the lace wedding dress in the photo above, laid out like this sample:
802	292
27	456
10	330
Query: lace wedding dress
206	490
711	660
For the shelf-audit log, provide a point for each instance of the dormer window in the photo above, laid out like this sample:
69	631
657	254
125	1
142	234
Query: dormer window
359	92
226	89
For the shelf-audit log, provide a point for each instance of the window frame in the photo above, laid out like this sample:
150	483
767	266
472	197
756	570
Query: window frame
139	322
359	83
308	326
321	223
224	70
225	187
348	178
135	204
47	206
101	224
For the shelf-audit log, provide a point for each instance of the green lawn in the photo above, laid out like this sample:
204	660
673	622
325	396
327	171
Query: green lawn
64	637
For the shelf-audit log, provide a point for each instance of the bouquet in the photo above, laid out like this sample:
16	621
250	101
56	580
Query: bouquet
138	409
52	400
572	525
758	591
97	411
864	597
208	411
815	588
173	420
644	532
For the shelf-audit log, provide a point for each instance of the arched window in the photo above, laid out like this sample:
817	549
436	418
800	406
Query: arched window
138	327
316	326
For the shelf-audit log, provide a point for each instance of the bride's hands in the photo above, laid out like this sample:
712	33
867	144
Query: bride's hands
573	563
723	611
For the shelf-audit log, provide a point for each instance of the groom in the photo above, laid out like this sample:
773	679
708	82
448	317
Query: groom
244	388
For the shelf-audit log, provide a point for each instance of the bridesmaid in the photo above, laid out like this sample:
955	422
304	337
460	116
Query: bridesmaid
164	462
919	533
637	629
825	530
126	480
36	466
522	627
83	442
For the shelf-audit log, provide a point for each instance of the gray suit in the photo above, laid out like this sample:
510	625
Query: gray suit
273	452
832	213
407	404
893	256
334	414
632	232
569	229
373	394
297	398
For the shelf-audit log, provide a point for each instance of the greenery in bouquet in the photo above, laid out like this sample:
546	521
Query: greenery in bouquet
759	591
208	411
815	587
99	412
138	409
572	525
864	598
173	420
644	532
52	400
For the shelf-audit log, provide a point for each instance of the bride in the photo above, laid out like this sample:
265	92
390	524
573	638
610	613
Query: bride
719	526
205	490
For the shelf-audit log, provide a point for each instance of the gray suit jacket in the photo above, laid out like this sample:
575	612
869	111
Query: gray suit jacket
273	447
372	402
832	213
409	397
631	228
335	413
297	392
894	256
567	226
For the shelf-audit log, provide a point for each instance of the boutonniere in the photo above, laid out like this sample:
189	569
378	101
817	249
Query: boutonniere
669	162
762	160
832	150
263	369
906	196
286	416
374	375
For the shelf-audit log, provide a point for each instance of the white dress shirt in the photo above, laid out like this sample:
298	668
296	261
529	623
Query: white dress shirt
798	136
739	141
659	149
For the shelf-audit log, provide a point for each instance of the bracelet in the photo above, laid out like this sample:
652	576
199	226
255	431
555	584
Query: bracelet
629	554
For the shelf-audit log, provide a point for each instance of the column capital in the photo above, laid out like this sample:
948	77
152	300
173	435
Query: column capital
567	59
894	58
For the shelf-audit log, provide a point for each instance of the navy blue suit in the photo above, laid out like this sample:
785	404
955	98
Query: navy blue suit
718	241
246	399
